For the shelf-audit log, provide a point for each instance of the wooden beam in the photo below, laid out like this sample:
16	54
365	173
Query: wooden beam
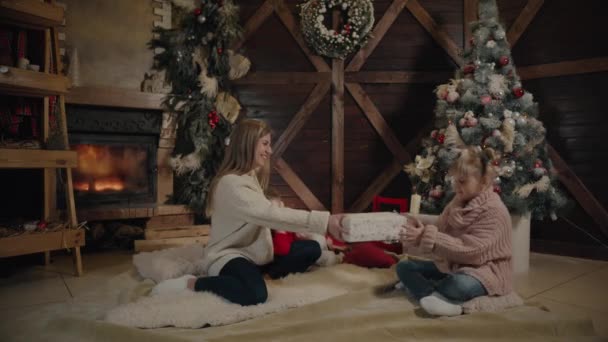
185	231
32	12
41	242
378	33
298	186
114	97
581	66
436	31
337	137
580	192
378	122
396	76
379	184
387	176
294	28
523	20
153	245
284	78
254	23
18	81
26	158
470	15
301	117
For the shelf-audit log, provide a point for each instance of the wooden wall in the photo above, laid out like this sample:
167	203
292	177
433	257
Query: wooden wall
571	106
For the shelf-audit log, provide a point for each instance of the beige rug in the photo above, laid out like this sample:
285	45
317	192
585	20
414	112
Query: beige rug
189	309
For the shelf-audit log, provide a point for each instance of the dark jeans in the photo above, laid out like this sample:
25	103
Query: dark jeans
421	278
241	281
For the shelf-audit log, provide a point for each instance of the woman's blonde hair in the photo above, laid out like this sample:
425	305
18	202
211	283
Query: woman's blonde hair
239	157
474	161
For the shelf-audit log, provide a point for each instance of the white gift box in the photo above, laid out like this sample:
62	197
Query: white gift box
380	226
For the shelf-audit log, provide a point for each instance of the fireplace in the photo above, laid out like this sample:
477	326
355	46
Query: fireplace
117	156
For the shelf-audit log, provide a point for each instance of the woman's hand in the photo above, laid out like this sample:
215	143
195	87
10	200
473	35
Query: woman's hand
334	226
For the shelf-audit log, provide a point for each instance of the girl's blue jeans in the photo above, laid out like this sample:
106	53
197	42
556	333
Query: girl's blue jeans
421	278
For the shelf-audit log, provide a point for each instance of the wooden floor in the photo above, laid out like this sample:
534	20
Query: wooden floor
562	284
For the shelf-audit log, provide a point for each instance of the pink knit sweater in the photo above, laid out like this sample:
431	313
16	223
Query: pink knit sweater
475	240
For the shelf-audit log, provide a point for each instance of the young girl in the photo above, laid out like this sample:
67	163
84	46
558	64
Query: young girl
241	217
470	242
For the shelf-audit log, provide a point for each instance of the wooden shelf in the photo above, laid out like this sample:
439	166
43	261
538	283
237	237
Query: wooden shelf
26	159
114	97
41	242
31	12
32	83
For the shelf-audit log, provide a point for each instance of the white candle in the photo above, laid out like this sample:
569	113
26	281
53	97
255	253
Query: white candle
415	204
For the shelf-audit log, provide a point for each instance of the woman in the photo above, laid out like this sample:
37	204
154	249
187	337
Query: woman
241	218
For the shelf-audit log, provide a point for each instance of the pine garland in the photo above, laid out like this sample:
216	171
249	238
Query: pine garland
199	67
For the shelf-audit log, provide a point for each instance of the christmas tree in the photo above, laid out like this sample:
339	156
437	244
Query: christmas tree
199	67
486	105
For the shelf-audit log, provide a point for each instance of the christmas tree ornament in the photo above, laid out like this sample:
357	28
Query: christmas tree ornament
197	11
518	92
497	189
485	99
499	34
201	19
468	69
503	60
491	44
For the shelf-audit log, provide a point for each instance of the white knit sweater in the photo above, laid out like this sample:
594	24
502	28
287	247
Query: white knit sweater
241	222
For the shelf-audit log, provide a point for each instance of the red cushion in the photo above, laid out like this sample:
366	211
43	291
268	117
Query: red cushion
368	254
281	241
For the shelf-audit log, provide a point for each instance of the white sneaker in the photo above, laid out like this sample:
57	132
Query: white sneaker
172	285
438	305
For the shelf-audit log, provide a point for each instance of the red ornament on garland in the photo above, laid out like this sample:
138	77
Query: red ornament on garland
213	119
518	92
497	189
441	138
469	69
197	11
504	60
220	50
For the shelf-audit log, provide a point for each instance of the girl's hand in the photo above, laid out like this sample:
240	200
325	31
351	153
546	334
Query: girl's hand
412	232
334	226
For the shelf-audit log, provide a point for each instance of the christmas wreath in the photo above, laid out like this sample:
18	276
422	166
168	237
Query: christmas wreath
350	32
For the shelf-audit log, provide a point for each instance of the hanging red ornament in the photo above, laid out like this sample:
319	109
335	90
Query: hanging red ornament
220	50
486	99
469	69
497	189
504	60
197	11
518	92
441	138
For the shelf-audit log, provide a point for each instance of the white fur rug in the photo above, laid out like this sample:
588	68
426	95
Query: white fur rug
194	310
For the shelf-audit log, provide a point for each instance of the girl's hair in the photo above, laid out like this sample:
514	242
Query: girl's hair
474	161
239	156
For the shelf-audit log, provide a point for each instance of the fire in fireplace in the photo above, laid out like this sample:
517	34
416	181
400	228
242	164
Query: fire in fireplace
104	168
117	152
